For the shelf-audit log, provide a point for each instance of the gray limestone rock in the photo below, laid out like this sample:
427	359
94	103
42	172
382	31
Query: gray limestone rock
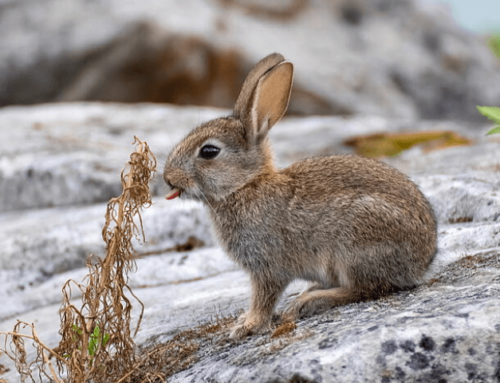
69	154
391	58
41	249
60	155
445	331
448	329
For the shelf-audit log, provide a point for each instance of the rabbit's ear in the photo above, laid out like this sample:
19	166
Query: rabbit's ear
265	93
270	98
251	81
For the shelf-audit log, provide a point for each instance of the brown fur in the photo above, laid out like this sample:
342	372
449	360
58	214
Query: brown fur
357	227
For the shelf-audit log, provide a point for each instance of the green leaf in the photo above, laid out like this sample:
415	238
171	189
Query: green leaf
491	112
93	346
495	130
94	341
494	43
96	332
105	339
97	340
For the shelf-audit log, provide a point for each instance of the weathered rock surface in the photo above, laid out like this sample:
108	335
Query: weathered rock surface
445	330
41	249
67	154
59	155
449	331
383	57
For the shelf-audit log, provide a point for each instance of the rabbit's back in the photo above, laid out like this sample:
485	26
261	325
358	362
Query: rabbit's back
349	174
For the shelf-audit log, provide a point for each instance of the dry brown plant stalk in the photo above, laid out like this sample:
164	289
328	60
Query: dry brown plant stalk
16	350
97	342
96	338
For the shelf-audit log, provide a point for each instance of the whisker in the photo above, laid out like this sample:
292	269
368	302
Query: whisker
199	193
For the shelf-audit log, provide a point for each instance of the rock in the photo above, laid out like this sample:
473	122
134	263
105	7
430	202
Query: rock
67	154
430	333
446	329
79	149
395	59
43	248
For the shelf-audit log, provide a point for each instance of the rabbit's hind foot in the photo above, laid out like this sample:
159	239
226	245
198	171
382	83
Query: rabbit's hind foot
314	301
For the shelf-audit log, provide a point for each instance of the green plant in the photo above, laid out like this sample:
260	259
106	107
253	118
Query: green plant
95	341
493	113
494	43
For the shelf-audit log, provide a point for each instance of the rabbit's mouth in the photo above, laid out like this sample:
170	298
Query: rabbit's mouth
174	193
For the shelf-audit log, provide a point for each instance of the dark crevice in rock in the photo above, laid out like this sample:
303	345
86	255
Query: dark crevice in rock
352	14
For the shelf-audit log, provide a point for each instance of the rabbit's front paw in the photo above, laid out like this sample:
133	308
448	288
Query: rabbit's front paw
246	326
242	318
240	331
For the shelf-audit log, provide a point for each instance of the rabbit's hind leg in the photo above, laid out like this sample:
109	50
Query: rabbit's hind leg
315	301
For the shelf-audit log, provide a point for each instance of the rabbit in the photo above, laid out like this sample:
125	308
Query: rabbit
355	227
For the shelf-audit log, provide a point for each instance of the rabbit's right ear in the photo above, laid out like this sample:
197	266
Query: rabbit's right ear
265	94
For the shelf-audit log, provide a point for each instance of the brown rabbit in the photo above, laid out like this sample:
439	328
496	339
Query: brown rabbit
356	227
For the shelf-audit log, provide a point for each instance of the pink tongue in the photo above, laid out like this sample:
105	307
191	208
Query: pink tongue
174	193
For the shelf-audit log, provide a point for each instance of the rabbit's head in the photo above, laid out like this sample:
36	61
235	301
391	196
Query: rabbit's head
223	155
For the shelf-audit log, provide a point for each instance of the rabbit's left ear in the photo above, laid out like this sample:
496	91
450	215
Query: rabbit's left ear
270	98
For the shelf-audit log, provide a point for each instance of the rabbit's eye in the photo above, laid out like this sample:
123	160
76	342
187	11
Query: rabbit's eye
209	151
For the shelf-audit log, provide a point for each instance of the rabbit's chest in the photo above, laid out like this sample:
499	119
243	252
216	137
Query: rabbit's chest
252	236
260	242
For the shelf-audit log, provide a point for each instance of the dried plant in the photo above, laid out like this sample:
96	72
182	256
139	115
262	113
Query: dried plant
96	343
159	361
16	350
